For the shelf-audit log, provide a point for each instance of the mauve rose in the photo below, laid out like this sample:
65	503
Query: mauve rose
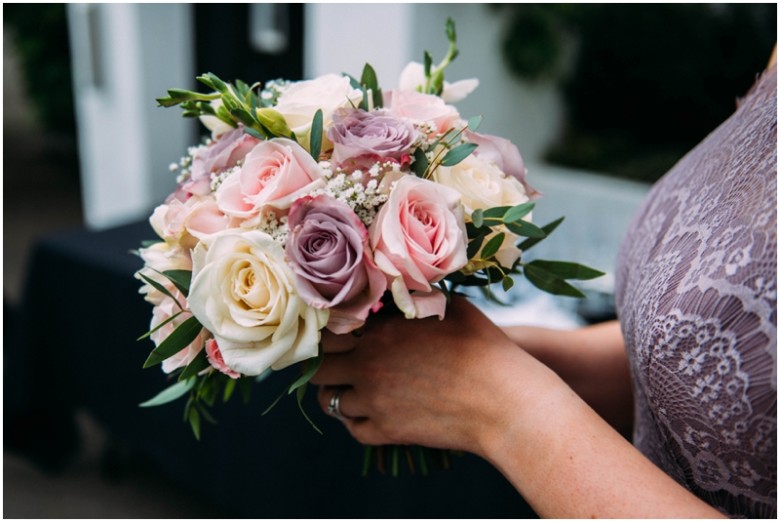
223	153
504	154
358	133
214	356
419	237
274	174
418	108
329	253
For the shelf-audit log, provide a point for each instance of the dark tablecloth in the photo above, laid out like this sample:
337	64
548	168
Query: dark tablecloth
74	346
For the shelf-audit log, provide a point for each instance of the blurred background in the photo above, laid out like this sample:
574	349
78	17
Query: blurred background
600	99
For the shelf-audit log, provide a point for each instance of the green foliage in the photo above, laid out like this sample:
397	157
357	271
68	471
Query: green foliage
642	83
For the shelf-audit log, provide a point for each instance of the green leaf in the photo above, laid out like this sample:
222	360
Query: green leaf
150	332
369	81
180	338
198	364
474	246
496	212
518	212
246	388
230	386
205	414
567	270
310	368
194	417
507	283
477	217
161	288
550	283
299	393
492	246
427	63
474	123
315	137
547	229
169	394
146	243
269	408
458	154
180	278
420	164
526	229
254	133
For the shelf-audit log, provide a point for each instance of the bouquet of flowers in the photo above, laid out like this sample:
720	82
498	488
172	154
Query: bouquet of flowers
315	203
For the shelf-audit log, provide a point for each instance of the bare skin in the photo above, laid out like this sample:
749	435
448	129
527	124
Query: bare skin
463	383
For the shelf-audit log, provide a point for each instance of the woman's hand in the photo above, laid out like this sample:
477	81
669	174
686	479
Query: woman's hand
424	381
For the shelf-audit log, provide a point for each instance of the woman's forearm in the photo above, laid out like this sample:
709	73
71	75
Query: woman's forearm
591	360
568	462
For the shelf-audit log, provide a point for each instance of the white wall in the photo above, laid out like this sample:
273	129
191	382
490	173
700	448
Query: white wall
124	56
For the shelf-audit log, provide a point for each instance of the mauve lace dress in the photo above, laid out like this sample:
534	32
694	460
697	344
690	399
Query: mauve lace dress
697	300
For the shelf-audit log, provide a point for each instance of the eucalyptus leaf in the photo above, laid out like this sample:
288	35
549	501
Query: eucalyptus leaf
567	270
160	288
230	387
310	368
194	418
474	123
496	212
526	229
550	283
254	133
315	137
179	339
150	332
299	393
180	278
474	246
547	229
198	364
169	394
477	217
492	246
507	283
420	164
518	212
205	414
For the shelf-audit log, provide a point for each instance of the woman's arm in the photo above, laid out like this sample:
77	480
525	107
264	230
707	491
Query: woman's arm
461	383
591	360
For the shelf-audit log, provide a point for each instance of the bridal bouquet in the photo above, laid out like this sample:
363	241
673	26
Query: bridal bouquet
315	203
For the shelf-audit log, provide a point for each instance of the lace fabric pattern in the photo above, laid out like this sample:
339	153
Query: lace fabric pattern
696	296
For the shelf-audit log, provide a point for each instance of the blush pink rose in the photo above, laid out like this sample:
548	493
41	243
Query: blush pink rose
274	174
161	313
504	154
223	153
328	250
185	223
418	238
214	356
418	108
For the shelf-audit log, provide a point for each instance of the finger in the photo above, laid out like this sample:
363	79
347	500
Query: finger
349	404
334	371
337	343
366	432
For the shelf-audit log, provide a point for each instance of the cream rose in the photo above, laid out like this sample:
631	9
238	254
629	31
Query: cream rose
301	100
483	185
243	292
160	257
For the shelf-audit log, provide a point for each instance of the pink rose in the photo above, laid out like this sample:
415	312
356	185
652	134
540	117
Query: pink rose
357	133
329	253
504	154
419	237
215	359
275	173
223	153
420	108
184	223
161	313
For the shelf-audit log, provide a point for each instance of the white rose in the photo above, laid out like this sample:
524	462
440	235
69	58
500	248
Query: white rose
160	257
413	76
300	101
483	185
243	292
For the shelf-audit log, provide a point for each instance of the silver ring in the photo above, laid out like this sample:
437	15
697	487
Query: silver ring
334	405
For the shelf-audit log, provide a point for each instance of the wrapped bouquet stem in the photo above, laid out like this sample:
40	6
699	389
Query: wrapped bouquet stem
313	204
